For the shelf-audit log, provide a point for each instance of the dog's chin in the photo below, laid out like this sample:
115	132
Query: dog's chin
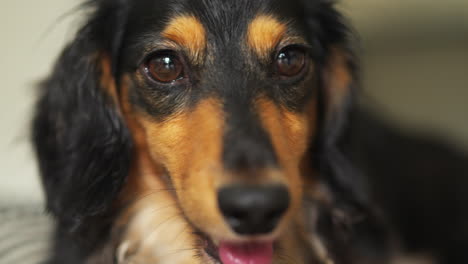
243	251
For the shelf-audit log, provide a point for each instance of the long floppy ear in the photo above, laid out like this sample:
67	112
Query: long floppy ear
351	220
353	224
81	142
339	83
337	80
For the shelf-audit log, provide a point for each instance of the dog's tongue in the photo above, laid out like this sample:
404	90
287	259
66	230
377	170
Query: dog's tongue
247	253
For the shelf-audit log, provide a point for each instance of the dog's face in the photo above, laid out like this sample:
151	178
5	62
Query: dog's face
222	99
225	93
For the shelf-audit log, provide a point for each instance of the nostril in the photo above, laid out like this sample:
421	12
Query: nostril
275	214
253	209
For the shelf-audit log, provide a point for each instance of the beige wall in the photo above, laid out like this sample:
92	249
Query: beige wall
31	36
415	61
415	58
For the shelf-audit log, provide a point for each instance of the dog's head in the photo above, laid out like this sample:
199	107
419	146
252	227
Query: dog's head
231	103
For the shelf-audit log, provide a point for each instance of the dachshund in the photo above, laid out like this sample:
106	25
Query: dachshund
206	131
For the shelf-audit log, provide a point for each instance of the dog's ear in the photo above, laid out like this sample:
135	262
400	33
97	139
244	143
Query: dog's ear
80	139
351	218
337	81
334	55
348	217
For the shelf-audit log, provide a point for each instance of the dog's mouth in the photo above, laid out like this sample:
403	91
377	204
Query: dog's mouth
249	252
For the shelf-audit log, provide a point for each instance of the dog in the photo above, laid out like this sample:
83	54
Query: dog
207	131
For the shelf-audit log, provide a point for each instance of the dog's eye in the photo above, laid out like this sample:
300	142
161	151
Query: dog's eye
290	61
164	67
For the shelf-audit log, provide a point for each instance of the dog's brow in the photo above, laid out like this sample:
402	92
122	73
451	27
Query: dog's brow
264	33
188	32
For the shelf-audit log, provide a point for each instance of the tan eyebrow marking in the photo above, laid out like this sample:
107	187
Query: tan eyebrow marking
188	32
264	33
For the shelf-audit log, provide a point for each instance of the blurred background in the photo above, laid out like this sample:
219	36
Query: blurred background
414	55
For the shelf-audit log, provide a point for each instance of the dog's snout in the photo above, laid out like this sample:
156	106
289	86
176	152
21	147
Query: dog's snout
253	210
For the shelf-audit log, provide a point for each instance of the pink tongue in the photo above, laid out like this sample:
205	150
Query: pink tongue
247	253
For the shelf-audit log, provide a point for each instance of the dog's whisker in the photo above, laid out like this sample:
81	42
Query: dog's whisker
161	208
181	232
177	251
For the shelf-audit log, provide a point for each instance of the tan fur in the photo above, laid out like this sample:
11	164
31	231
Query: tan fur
155	228
189	144
290	134
188	32
107	79
264	34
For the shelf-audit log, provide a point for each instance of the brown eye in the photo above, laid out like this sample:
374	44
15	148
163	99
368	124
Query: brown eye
164	67
290	62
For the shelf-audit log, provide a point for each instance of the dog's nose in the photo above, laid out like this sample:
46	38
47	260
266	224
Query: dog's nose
253	210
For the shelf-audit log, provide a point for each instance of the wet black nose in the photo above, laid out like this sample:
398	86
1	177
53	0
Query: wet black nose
253	210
